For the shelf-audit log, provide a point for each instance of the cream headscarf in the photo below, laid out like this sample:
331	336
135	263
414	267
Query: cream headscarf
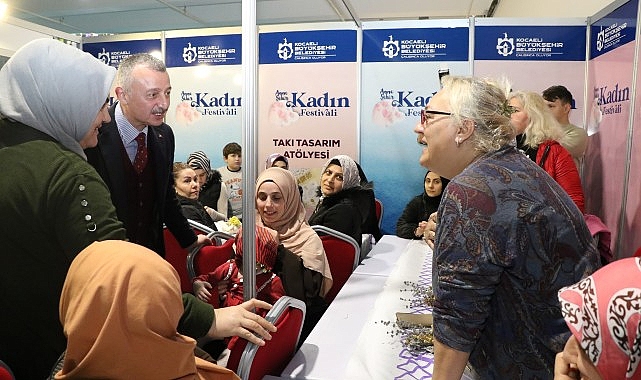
120	306
294	232
56	89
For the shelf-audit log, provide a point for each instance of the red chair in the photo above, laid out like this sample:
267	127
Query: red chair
252	362
5	372
343	254
209	257
177	255
379	211
205	259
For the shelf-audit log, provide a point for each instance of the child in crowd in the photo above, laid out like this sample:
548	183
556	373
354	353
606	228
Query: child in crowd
269	287
232	177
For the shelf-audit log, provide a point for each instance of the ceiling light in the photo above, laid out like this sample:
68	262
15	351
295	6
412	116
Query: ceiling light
3	9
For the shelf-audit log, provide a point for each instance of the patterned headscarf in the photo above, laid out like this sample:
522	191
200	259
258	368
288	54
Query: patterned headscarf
199	160
293	231
55	88
351	178
275	157
603	312
120	306
266	246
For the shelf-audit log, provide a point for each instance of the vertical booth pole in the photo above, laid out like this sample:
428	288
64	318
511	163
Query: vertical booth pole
250	76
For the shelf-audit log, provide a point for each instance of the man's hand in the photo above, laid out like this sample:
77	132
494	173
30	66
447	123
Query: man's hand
241	321
200	240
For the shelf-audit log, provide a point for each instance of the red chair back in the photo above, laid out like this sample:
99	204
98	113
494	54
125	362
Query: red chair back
177	255
209	257
252	362
343	254
5	372
379	211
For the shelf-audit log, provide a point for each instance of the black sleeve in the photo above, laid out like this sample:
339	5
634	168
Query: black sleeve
299	282
409	219
342	217
198	214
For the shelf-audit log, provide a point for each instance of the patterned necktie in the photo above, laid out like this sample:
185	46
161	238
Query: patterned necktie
141	154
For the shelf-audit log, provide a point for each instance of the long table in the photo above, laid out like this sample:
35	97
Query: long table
354	339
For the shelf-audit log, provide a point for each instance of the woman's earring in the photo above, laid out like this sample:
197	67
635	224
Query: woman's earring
458	141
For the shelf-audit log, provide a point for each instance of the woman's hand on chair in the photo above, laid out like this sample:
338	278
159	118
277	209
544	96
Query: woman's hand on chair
241	321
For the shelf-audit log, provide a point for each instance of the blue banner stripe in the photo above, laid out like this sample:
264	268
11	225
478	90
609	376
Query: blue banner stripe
530	43
112	53
204	50
415	45
307	46
614	30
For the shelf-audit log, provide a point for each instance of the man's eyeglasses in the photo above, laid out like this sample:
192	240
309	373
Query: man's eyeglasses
425	112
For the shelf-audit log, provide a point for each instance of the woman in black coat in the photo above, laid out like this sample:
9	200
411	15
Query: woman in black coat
411	224
187	192
340	189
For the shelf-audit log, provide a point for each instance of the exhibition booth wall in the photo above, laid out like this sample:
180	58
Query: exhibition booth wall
337	88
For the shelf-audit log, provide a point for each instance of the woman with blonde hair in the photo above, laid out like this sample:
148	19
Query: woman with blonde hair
539	136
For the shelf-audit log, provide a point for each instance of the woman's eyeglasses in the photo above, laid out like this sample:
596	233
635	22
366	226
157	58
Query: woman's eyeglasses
426	112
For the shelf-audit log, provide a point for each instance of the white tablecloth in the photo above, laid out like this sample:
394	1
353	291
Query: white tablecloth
353	340
378	353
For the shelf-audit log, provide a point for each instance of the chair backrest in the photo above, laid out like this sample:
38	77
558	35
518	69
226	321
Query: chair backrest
343	254
220	237
177	255
200	228
252	362
366	245
379	211
205	259
5	372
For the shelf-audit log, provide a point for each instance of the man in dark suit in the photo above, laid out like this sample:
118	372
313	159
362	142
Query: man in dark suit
135	154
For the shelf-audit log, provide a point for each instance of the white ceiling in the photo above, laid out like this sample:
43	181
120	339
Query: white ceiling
129	16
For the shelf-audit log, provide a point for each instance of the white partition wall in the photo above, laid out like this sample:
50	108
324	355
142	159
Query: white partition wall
402	65
206	75
534	54
308	98
610	88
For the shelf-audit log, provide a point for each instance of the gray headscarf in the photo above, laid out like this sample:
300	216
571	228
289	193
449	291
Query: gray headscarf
350	171
56	89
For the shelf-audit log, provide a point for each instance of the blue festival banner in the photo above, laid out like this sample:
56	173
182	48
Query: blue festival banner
307	46
203	50
614	30
113	52
416	45
530	43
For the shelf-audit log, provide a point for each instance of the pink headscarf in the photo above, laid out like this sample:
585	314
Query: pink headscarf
603	312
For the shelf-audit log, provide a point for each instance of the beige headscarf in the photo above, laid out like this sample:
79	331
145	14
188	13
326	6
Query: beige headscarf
56	89
294	232
120	306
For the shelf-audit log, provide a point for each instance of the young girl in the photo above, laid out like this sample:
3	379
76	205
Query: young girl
269	287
